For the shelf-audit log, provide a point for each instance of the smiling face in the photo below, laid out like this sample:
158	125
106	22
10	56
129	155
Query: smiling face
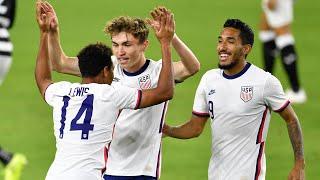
230	49
129	51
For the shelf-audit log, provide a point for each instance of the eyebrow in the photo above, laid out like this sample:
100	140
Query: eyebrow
229	38
121	42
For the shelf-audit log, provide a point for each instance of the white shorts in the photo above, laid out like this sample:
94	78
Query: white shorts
282	14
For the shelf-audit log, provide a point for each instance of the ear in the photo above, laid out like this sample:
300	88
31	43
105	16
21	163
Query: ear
145	45
106	71
246	49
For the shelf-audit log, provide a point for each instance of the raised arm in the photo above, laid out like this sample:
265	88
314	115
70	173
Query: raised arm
191	129
188	64
59	60
165	88
295	135
42	70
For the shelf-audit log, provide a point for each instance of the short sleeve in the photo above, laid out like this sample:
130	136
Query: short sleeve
274	96
53	91
200	107
126	97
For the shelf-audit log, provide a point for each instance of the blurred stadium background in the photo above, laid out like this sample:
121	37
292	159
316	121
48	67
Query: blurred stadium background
26	120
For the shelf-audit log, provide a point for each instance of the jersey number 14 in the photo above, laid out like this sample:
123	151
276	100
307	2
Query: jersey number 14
85	127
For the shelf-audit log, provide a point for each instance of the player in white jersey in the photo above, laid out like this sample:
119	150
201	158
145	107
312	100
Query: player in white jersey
135	151
238	97
276	36
84	114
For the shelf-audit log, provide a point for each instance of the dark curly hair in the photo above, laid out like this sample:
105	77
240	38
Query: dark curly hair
93	58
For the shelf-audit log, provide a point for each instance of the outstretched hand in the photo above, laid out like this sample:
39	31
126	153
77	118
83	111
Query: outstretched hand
42	18
163	24
46	16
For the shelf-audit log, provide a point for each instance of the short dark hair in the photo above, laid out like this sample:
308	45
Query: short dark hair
246	33
93	58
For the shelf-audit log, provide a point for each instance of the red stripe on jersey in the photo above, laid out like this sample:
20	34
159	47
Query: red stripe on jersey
158	164
200	114
139	99
259	136
163	115
283	107
258	165
105	160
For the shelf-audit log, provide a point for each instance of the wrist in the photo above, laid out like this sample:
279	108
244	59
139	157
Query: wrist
300	163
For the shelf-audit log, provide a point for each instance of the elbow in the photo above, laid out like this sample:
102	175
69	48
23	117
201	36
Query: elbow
197	133
195	69
169	94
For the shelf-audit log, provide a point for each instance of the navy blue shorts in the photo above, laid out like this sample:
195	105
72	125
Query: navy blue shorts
109	177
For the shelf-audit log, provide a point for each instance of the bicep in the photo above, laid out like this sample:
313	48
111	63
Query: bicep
43	86
288	114
198	122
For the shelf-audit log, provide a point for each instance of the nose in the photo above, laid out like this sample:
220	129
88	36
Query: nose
222	46
121	51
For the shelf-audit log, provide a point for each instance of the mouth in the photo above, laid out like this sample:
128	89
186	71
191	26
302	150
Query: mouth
224	56
123	60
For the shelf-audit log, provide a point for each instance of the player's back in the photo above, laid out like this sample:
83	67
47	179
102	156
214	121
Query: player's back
84	115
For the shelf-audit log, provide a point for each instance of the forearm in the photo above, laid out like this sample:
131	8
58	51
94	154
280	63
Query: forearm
42	70
60	62
184	131
165	83
190	63
295	135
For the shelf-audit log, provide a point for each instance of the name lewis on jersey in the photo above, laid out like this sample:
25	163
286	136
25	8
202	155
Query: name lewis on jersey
78	91
144	82
246	93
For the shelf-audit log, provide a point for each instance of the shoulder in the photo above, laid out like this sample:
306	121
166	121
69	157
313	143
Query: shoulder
212	74
59	86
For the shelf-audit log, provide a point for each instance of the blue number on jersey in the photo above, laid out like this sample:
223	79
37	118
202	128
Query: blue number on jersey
211	109
63	114
87	105
85	127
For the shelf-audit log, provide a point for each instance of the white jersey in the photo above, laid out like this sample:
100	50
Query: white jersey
84	116
239	107
280	16
135	147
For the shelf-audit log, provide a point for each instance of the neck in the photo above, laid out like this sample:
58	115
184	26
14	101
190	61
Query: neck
236	69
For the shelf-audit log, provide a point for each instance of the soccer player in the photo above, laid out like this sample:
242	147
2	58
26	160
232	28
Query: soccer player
238	97
135	150
14	164
276	36
84	113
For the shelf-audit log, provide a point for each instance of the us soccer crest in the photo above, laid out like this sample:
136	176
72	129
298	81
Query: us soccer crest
246	93
144	82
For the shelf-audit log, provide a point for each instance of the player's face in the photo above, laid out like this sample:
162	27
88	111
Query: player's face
129	51
229	48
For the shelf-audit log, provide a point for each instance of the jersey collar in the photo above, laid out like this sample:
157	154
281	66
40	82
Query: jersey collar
246	67
141	70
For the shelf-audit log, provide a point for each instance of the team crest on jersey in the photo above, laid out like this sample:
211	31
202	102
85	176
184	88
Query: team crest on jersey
144	82
246	93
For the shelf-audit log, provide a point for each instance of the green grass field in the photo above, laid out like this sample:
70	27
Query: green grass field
26	120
